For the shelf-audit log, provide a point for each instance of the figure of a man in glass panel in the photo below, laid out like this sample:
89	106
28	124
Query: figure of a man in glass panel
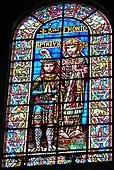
47	91
75	68
74	65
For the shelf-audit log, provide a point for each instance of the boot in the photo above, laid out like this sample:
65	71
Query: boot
38	135
49	135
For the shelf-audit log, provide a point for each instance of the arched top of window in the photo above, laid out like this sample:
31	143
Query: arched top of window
91	16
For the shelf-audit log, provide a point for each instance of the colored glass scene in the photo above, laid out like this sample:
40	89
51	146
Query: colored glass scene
59	105
60	85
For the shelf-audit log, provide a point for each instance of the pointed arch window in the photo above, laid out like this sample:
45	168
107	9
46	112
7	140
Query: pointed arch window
59	104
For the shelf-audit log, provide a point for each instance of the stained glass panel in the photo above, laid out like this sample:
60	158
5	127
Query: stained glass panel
103	69
11	163
100	157
98	23
79	11
27	28
49	13
14	142
41	161
20	71
59	104
22	50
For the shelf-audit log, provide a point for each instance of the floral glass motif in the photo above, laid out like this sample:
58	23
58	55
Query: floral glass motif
59	105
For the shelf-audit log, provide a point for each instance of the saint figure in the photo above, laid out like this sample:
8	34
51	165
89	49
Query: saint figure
47	97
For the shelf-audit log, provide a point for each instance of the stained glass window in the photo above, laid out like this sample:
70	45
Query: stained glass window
59	104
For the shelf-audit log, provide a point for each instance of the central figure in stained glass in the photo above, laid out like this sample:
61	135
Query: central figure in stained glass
60	91
46	91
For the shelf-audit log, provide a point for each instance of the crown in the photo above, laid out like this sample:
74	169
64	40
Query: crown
75	41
